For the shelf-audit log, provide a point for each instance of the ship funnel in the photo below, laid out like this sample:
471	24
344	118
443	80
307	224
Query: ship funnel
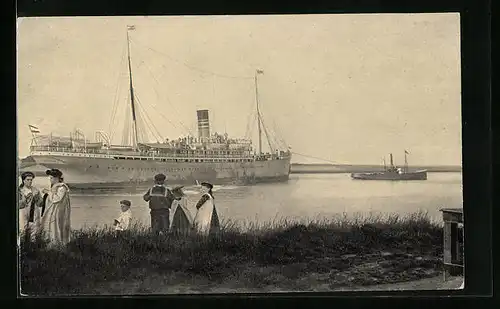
203	125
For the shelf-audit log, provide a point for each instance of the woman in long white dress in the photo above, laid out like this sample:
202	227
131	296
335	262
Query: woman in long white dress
182	221
30	205
206	220
56	224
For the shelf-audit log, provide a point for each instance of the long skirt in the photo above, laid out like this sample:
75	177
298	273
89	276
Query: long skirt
26	215
207	220
56	223
214	223
180	223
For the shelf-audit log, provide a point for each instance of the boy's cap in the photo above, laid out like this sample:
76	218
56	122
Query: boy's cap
160	177
126	203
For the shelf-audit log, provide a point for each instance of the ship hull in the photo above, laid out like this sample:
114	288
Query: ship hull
109	173
418	175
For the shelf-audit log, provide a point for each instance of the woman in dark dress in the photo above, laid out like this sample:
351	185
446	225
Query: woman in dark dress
182	220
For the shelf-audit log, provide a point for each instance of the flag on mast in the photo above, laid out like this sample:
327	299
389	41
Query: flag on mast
33	129
406	152
131	27
260	71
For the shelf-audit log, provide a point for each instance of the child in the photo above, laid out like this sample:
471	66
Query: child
123	221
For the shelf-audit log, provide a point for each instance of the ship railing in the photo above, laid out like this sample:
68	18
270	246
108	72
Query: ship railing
151	155
158	154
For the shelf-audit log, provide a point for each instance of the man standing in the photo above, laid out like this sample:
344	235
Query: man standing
160	201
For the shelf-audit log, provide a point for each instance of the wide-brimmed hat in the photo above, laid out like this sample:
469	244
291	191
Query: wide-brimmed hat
207	184
54	172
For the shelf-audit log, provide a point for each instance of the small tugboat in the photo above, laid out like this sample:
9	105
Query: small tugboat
393	173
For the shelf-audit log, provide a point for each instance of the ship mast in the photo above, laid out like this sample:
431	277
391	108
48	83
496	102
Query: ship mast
258	111
132	98
261	121
406	162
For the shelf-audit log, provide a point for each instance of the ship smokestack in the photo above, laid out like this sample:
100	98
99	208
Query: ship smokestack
392	163
203	125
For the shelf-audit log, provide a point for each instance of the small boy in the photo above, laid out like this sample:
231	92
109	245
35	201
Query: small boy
123	221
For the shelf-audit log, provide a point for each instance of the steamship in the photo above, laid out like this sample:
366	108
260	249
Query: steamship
393	173
216	158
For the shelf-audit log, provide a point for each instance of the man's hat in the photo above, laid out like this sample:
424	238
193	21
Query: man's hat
54	172
126	202
208	185
160	177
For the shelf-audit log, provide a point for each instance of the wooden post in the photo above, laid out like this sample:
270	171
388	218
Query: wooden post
453	255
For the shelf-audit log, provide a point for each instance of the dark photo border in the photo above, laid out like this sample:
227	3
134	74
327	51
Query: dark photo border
476	141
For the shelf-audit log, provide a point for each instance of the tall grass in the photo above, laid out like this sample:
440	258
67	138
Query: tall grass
97	255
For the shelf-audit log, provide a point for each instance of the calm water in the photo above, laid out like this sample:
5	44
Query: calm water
319	195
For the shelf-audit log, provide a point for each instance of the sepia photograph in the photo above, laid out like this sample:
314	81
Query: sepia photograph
239	154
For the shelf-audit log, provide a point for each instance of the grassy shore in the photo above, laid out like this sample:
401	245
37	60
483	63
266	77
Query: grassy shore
280	255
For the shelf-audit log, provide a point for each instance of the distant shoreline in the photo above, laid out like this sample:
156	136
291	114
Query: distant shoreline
300	168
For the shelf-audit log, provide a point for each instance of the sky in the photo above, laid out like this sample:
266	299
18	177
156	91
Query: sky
347	88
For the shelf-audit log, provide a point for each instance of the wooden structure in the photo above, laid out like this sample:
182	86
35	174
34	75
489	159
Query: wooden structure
453	237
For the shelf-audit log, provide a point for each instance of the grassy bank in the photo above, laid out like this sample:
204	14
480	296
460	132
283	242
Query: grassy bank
279	255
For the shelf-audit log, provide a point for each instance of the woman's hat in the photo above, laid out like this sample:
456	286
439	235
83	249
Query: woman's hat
126	203
27	174
208	185
177	192
54	172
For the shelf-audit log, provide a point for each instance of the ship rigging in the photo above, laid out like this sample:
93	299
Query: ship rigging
141	129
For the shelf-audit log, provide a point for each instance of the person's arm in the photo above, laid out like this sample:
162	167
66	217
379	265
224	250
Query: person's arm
22	201
38	198
202	201
58	195
170	198
44	202
147	196
125	222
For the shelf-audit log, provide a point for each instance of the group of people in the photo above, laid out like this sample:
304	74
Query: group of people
49	211
46	211
170	213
